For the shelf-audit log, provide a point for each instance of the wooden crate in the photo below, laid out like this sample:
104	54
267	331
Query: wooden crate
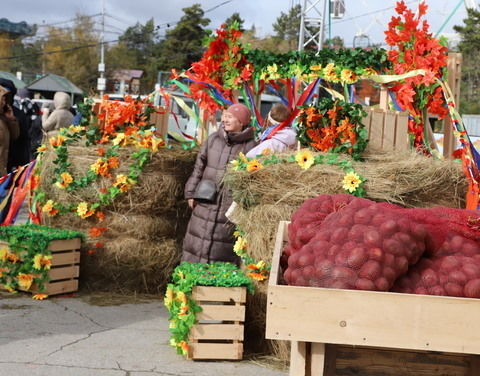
65	268
387	129
219	331
405	328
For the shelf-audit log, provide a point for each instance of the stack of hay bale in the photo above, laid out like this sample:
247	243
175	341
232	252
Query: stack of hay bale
145	226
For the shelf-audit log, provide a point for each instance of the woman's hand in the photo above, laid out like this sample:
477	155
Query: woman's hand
192	203
9	112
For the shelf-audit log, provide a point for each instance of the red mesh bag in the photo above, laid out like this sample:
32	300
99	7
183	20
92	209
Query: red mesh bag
452	275
364	246
308	218
451	231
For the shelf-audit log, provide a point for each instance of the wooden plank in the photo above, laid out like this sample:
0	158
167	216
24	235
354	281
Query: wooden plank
407	322
317	359
66	272
222	312
65	258
474	366
330	360
281	237
219	294
367	121
217	331
62	287
383	98
389	130
402	141
298	358
385	362
376	129
65	244
227	351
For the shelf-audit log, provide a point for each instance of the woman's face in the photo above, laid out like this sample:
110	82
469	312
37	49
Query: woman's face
231	123
3	102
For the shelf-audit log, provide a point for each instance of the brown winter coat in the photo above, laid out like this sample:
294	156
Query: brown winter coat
9	130
209	235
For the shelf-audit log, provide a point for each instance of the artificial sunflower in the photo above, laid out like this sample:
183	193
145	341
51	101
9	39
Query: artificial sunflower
305	159
254	165
351	181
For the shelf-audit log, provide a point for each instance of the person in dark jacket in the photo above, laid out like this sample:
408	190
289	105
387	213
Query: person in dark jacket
209	235
19	154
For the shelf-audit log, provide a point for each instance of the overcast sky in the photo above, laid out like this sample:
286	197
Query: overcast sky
362	16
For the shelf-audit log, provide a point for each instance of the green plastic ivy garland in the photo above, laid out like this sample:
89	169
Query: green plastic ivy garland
183	308
27	259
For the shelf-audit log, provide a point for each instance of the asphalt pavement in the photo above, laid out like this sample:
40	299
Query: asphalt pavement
97	335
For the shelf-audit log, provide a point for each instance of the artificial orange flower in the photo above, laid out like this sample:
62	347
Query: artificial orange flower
41	149
39	296
100	216
24	281
113	162
254	165
57	141
98	245
82	210
96	232
49	208
91	252
101	151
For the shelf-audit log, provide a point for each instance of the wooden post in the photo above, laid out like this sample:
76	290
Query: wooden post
383	98
298	358
454	67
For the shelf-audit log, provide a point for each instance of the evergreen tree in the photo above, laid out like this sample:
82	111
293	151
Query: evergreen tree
470	49
183	44
235	17
287	26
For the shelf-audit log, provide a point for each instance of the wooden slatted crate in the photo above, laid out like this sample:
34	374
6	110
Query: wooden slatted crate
65	268
350	332
387	130
219	331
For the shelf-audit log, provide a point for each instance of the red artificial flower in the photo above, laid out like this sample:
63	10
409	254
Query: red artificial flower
95	232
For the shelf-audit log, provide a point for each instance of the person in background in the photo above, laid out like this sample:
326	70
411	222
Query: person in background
9	129
32	111
280	141
20	146
209	235
61	117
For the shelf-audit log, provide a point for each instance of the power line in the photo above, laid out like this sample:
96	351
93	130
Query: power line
68	21
168	24
59	51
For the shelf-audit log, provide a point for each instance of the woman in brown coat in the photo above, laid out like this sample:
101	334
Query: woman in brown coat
209	235
9	130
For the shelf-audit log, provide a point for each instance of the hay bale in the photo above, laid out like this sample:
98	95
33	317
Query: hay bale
407	179
160	186
145	225
128	265
274	193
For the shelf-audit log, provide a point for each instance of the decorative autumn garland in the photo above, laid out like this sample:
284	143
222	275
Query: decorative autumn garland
179	302
27	259
254	269
333	126
146	143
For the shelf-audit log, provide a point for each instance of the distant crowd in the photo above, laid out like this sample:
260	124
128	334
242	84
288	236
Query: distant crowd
24	123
